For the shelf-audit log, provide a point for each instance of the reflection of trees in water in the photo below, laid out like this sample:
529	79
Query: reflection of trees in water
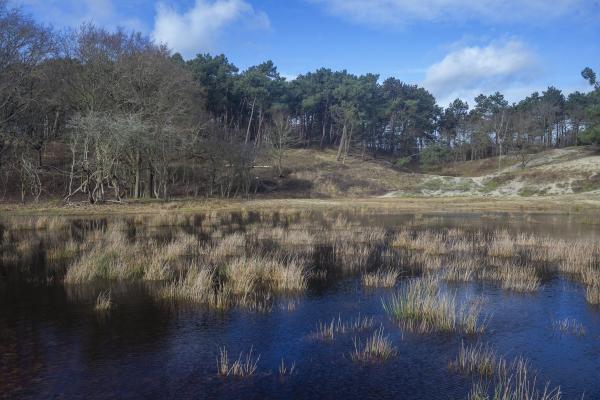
23	359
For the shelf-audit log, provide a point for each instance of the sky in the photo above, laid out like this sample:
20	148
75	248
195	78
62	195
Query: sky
453	48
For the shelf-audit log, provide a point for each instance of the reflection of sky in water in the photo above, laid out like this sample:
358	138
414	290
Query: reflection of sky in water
52	345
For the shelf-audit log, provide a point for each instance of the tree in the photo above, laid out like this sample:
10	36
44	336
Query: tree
280	138
589	75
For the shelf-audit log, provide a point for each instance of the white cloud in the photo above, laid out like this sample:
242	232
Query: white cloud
502	66
399	12
197	29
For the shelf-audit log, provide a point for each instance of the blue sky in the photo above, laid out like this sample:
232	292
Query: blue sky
454	48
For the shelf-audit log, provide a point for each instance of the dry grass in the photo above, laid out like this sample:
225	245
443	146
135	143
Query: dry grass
520	279
276	254
421	306
516	382
385	278
569	326
103	302
376	348
278	274
328	331
499	380
284	370
592	295
63	252
461	270
196	286
475	360
243	367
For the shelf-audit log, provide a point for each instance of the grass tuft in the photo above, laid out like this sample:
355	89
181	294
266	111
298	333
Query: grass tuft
103	302
376	348
244	366
422	307
381	278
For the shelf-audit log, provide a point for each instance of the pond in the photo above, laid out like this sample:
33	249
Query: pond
157	340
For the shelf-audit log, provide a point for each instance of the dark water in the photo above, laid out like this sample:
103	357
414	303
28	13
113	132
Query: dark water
53	346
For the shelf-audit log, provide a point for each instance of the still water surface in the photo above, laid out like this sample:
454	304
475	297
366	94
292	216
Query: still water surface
52	345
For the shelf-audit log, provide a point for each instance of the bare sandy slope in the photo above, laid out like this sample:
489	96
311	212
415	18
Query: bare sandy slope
553	172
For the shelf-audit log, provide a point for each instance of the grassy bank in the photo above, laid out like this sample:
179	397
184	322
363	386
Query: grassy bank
564	204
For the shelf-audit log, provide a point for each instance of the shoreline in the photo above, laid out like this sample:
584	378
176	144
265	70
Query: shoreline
564	204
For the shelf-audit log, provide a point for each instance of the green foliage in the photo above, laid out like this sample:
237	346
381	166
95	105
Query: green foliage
402	162
434	155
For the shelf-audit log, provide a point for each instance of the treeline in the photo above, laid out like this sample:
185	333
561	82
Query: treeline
110	115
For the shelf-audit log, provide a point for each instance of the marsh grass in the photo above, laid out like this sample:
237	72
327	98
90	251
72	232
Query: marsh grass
421	306
498	379
461	270
257	256
568	326
62	253
592	295
383	278
378	347
521	279
514	382
284	370
196	286
475	360
328	331
103	302
244	366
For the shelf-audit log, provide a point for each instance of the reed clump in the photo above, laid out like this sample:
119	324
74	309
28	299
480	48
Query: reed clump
196	286
244	366
329	330
569	326
592	295
62	253
421	306
284	370
378	347
383	278
476	359
103	302
515	382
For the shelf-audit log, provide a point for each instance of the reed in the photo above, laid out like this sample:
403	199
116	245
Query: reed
422	307
592	295
351	257
62	254
385	278
229	246
243	367
521	279
515	383
502	246
328	331
475	360
378	347
284	370
196	286
569	326
183	245
460	270
103	302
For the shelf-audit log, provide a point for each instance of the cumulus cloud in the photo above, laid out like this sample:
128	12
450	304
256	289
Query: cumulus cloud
198	28
468	70
398	12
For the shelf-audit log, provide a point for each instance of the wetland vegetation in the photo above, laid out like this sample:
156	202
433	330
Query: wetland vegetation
428	281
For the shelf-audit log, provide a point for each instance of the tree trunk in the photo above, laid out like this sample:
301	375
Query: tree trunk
342	142
136	187
250	122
